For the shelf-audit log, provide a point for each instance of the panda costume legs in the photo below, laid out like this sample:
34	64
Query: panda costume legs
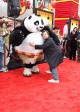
29	69
30	65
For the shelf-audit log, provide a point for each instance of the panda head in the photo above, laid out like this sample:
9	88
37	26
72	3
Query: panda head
34	23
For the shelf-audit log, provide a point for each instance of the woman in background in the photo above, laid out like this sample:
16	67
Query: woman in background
73	44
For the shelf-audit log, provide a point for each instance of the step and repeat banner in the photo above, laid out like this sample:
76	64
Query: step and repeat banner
26	8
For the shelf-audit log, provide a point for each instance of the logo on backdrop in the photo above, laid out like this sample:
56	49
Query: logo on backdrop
25	4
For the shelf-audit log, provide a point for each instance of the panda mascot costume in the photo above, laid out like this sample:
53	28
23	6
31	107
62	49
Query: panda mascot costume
21	36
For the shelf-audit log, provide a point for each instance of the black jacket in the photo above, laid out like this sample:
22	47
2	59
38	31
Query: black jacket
73	41
52	53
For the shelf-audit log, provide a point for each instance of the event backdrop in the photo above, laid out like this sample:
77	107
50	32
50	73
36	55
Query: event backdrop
26	8
65	9
62	10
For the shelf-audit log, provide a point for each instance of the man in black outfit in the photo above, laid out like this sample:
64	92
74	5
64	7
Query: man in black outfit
52	53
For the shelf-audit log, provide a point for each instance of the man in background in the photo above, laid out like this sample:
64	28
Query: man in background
66	38
65	29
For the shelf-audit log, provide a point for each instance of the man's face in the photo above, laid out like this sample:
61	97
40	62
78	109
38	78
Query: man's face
56	31
45	35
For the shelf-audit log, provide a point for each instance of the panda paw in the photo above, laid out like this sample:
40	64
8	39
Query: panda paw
27	72
35	69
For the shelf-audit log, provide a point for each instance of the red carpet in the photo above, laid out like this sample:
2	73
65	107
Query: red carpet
35	94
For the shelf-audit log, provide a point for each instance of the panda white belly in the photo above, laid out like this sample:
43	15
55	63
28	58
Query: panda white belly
26	48
27	53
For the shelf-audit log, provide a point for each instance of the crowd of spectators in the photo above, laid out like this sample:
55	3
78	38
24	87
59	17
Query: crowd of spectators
5	30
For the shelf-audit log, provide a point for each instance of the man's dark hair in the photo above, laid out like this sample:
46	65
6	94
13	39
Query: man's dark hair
55	28
44	31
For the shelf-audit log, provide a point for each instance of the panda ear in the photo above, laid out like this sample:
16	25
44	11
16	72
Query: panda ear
46	21
48	18
29	17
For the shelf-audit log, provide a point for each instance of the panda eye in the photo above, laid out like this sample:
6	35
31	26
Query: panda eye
42	22
36	23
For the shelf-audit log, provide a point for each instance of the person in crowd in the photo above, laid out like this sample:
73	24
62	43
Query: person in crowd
4	28
73	44
5	31
18	23
2	42
7	28
52	53
65	49
78	45
56	31
65	29
8	45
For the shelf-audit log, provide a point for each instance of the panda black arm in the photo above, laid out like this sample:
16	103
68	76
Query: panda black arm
16	37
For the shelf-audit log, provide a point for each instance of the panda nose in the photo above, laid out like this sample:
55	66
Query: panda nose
41	27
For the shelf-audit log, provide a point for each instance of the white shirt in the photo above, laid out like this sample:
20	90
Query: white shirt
65	29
